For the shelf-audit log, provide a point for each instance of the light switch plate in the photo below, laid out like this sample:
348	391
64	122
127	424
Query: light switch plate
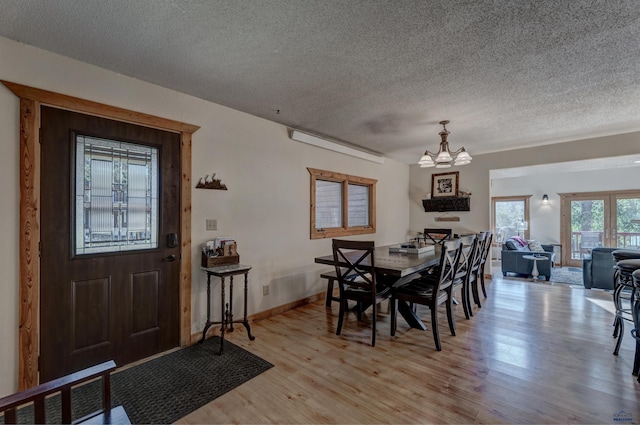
212	224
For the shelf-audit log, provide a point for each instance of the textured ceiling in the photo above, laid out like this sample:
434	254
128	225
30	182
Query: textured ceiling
377	74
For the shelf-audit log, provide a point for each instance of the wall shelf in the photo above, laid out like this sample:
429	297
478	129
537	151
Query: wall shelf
446	204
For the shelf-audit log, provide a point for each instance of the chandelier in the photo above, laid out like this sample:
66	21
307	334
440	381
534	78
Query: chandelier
444	158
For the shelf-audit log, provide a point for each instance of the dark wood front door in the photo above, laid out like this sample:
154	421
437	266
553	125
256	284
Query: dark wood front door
110	242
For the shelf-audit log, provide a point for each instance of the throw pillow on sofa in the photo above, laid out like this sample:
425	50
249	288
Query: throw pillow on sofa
516	243
519	241
512	245
535	246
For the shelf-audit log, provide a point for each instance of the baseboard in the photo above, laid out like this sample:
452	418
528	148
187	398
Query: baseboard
264	314
286	307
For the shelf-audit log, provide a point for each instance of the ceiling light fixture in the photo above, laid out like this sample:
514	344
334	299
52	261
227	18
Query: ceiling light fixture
444	158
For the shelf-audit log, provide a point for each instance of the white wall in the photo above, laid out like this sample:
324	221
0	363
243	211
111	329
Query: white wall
266	207
544	224
475	178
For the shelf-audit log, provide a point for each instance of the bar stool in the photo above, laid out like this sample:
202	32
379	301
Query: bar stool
635	313
627	262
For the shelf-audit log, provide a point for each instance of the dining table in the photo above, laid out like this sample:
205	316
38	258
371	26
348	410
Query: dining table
396	269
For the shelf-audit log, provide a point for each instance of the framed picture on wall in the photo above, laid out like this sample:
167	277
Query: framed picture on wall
444	185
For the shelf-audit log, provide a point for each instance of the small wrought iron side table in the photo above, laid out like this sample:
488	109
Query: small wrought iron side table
226	309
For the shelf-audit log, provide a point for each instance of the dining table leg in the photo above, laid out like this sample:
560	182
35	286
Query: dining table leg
410	316
404	309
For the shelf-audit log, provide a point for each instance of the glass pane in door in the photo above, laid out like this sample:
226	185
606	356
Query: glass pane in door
587	226
627	223
116	196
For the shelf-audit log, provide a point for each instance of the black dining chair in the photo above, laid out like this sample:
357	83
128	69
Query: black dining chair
432	291
437	236
485	255
355	273
461	280
473	279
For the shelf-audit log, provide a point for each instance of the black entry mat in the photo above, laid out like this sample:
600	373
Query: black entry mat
167	388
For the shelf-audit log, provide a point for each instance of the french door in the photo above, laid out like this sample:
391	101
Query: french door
598	219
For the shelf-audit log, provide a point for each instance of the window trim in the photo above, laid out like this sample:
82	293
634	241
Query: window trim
523	198
345	180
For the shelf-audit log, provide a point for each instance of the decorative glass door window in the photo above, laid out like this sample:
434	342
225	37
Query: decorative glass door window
116	196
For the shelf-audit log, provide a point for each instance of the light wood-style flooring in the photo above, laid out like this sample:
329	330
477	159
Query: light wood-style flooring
534	353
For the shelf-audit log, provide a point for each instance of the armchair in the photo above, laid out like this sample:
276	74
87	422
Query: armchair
513	261
598	267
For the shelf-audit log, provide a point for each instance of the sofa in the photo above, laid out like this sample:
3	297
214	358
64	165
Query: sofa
513	262
598	268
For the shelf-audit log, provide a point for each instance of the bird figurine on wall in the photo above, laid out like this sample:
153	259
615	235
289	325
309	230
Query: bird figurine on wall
210	182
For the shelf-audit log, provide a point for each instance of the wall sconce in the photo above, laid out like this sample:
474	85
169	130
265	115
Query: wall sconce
545	199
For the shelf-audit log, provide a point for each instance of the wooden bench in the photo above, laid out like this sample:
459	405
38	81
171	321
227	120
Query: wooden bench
63	385
331	278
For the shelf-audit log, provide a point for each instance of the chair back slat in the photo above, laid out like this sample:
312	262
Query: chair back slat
354	263
437	236
449	263
469	246
476	261
487	247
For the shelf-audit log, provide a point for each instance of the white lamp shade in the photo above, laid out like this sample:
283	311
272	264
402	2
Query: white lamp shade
443	156
443	165
426	161
463	156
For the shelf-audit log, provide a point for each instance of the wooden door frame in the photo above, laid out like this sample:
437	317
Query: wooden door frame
527	204
29	281
609	197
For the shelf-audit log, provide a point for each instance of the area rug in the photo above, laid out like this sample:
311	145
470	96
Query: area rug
569	275
167	388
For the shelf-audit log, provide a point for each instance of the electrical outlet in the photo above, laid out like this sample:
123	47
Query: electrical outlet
212	224
265	290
